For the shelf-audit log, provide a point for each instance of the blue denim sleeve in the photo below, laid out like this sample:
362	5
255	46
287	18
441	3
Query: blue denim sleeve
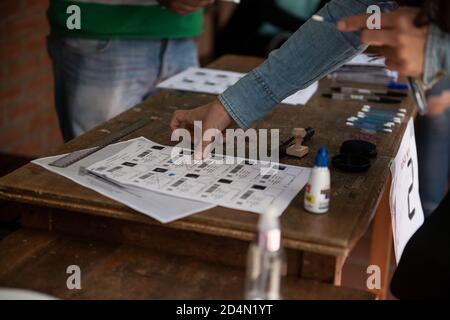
312	52
437	55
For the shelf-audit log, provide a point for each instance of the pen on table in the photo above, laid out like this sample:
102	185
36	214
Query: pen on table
379	117
371	121
376	92
233	1
377	126
397	85
382	115
368	127
358	97
401	112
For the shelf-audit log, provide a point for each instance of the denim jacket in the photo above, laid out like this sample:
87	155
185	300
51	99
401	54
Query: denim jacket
437	56
312	52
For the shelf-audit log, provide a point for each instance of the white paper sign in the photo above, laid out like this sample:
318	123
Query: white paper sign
406	208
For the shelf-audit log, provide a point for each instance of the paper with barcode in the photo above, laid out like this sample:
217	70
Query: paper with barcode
232	182
159	206
213	81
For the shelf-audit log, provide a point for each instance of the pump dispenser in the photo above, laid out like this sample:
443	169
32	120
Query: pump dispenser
265	261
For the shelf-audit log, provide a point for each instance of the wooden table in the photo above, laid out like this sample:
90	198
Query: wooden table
316	245
38	260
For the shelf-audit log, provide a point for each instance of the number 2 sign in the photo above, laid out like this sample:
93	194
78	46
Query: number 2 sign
406	208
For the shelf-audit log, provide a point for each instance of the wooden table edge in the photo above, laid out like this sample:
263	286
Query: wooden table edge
183	224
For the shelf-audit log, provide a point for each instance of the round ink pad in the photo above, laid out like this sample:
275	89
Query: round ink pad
351	162
359	147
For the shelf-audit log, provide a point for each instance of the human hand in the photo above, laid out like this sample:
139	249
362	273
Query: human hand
399	40
212	116
184	7
438	104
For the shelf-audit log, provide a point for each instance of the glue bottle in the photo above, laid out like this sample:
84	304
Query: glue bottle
265	263
317	191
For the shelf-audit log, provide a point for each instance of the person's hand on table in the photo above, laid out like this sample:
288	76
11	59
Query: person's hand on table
399	40
184	7
212	116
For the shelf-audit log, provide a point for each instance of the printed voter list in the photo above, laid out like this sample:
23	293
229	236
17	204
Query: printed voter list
161	207
232	182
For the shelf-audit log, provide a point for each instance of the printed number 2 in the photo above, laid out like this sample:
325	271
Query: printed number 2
413	211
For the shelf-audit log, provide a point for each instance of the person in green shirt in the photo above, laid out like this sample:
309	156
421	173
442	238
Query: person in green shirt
120	51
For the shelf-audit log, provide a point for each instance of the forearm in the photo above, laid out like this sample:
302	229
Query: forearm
437	55
312	52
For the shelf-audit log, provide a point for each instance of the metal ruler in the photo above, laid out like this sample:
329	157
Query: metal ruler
76	156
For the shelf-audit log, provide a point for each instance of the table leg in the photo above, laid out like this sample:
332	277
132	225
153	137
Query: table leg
323	268
381	244
340	261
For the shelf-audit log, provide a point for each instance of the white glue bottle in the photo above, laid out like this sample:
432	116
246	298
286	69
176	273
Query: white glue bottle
317	191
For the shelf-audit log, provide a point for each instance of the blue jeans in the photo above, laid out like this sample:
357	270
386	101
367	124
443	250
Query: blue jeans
433	151
97	79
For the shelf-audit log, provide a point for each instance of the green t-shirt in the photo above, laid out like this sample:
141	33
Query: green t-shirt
132	19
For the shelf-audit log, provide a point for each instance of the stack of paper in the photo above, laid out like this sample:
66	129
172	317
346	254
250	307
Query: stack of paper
365	68
161	207
214	81
158	180
232	182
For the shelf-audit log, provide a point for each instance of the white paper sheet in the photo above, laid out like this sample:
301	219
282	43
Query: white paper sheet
367	60
236	183
161	207
406	207
212	81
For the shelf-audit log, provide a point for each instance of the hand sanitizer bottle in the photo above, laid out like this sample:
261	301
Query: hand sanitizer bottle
317	191
265	261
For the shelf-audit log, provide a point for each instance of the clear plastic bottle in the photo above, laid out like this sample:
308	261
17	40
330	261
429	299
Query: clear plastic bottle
265	261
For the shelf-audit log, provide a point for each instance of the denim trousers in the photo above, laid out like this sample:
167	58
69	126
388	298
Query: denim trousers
433	151
433	148
97	79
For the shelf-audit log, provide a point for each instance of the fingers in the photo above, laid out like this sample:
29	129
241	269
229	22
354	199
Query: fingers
380	38
202	149
389	20
211	136
214	119
396	58
387	52
395	65
354	23
180	118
